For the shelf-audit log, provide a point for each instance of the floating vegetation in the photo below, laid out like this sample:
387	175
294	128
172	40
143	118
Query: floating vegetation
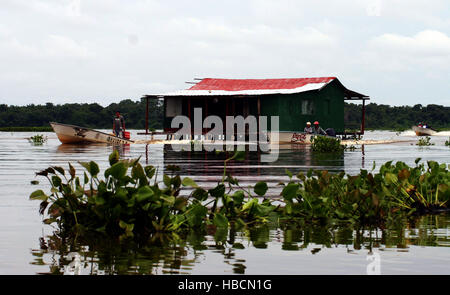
27	129
135	204
326	144
447	142
350	147
424	141
37	139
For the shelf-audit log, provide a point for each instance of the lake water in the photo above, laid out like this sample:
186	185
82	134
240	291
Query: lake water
27	246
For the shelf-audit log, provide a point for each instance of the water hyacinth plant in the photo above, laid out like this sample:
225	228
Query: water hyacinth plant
326	144
424	141
127	203
37	139
129	200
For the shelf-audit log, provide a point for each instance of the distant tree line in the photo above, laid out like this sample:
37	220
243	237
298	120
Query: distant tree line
380	116
90	115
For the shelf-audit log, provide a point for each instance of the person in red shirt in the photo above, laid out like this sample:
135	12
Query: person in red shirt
118	125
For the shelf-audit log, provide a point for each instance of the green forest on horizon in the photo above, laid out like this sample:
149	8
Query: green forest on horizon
93	115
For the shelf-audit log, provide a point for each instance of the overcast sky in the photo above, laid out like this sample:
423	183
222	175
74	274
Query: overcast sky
396	51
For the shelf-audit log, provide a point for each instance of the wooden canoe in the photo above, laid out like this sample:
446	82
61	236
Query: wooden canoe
75	134
420	131
289	137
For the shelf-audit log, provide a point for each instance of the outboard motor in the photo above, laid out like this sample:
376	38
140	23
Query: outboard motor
330	132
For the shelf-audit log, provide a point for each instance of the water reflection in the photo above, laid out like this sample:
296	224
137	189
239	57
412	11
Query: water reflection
78	148
298	158
166	254
123	149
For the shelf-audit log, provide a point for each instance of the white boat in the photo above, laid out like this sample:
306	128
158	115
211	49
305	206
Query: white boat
420	131
76	134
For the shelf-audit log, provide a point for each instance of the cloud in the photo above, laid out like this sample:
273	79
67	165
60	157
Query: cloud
424	44
53	46
62	46
427	50
96	50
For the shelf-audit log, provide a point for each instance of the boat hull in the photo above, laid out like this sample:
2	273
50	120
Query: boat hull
420	131
289	137
76	134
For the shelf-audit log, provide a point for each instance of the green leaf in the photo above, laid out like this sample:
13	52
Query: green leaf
220	220
167	180
128	227
144	193
290	191
117	171
91	167
391	178
218	191
59	169
94	169
196	215
180	204
114	157
289	173
137	172
176	181
260	188
170	200
189	182
150	171
249	204
38	195
56	181
71	171
200	194
238	197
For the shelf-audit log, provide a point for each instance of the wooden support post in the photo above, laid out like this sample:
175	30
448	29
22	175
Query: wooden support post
258	103
146	117
363	116
189	116
226	107
206	114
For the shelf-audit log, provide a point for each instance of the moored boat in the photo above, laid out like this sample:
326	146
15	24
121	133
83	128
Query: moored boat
283	137
420	131
75	134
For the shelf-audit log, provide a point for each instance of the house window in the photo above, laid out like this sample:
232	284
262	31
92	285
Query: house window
307	107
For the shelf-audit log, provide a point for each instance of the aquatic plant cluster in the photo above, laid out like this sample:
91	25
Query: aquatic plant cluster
37	139
127	204
424	141
326	144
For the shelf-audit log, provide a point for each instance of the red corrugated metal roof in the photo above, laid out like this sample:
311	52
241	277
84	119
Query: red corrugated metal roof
256	84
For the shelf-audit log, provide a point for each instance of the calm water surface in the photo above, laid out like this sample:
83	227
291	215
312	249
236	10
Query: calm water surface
29	247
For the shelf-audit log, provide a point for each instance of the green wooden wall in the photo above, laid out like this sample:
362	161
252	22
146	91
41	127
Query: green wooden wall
327	105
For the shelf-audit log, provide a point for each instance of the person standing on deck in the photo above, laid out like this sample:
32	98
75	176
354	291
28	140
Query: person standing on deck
118	125
318	130
308	129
